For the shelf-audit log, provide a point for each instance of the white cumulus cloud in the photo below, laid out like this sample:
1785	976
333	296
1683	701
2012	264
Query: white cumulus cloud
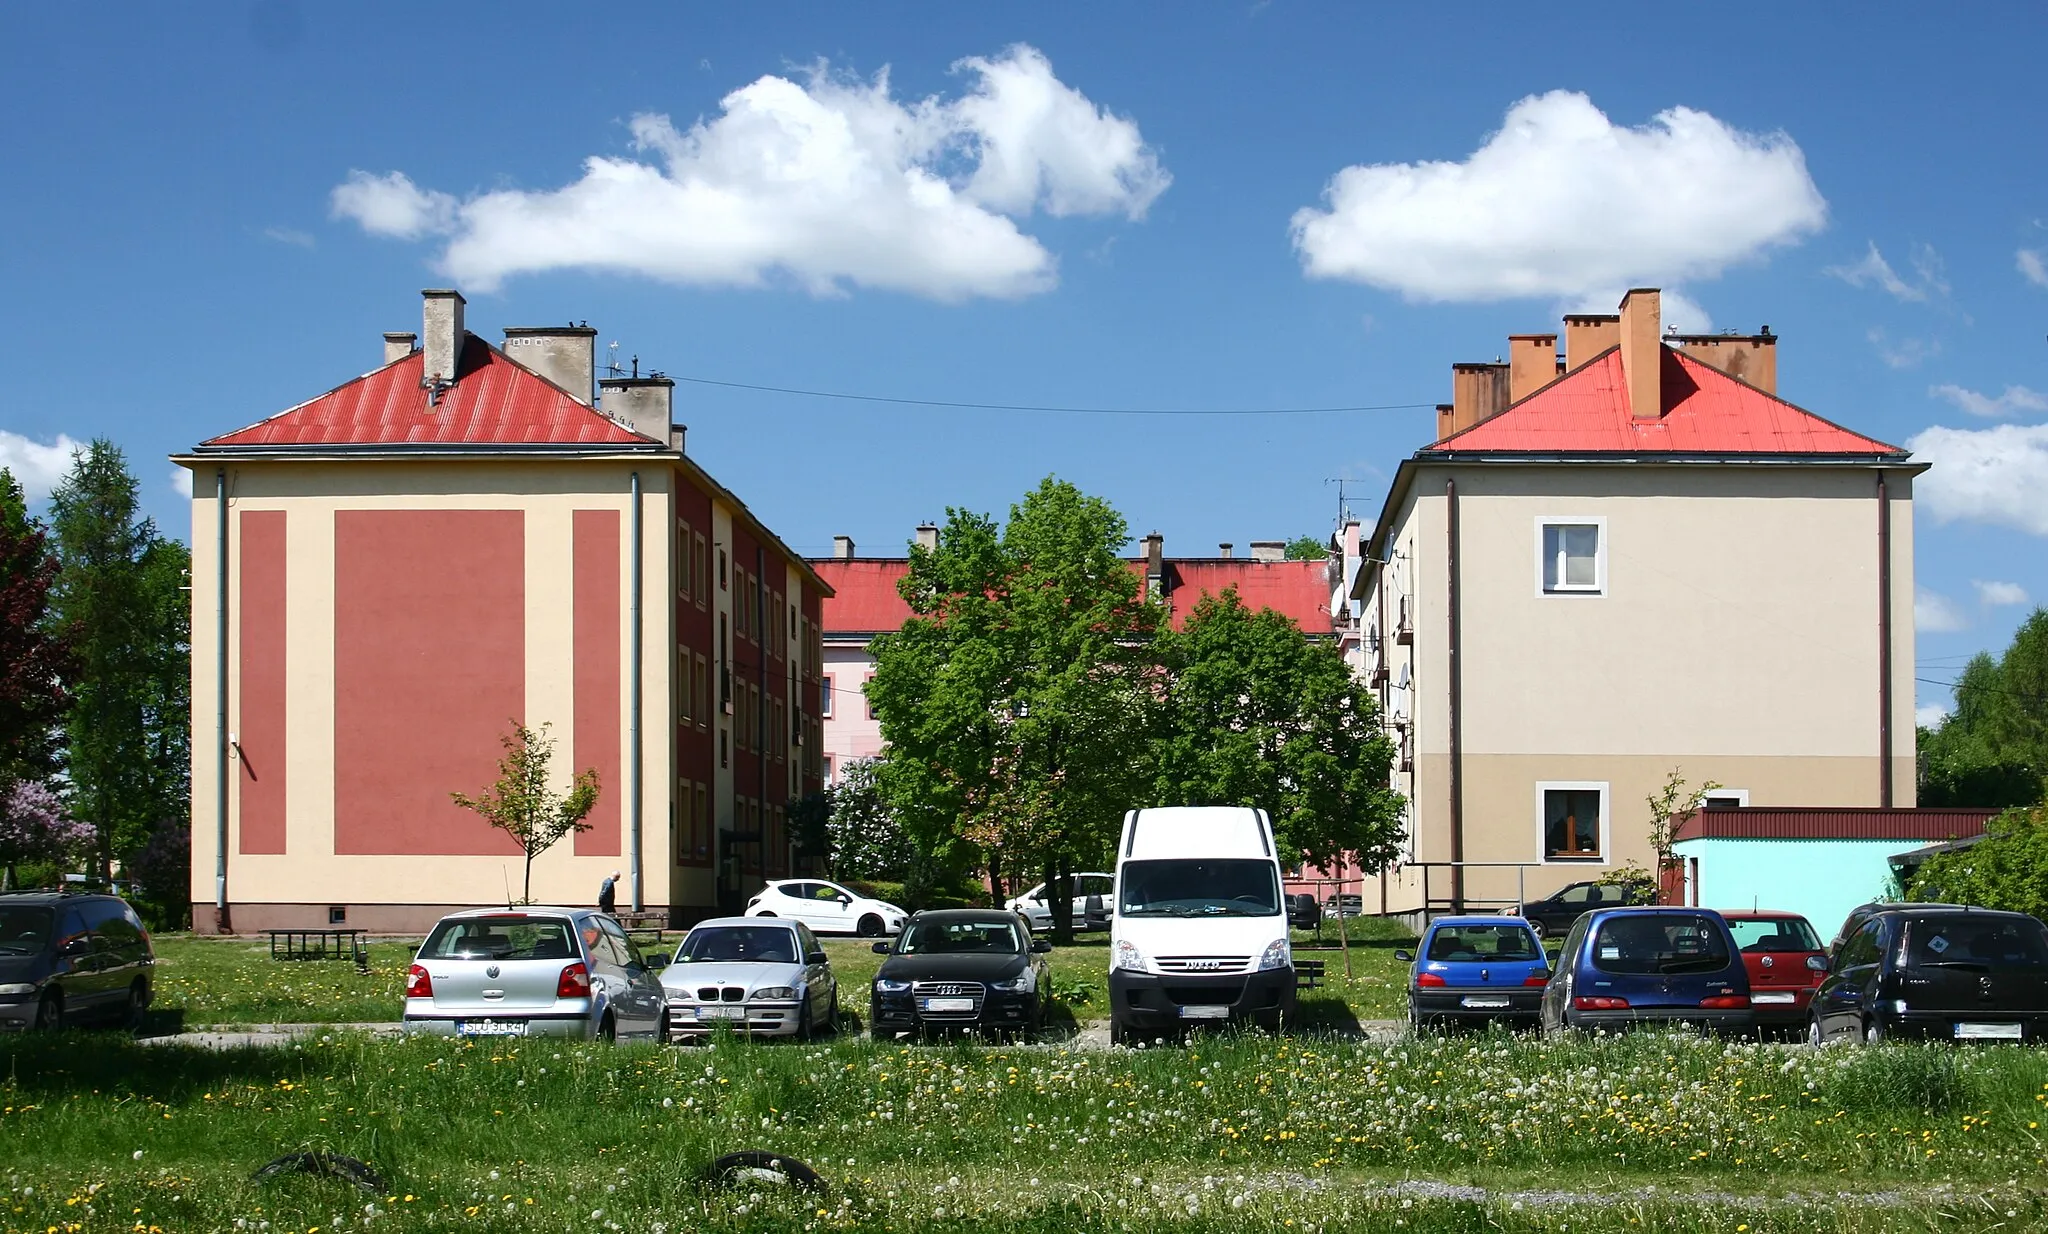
1992	593
2031	267
1561	201
1872	270
1996	475
180	481
1929	715
1681	312
831	181
1934	613
2013	399
35	466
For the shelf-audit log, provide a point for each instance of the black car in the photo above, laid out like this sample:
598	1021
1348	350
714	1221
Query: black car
1303	913
971	969
1553	915
1937	973
69	959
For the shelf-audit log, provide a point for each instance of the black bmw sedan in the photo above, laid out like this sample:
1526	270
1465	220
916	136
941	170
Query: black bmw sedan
972	969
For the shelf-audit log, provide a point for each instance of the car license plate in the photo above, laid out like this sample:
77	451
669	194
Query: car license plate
722	1013
1205	1011
1991	1032
1761	999
490	1028
949	1004
1483	1001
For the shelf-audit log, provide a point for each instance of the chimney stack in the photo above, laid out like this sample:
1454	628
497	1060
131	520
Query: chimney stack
1223	549
1642	352
398	345
1587	335
842	548
1532	364
1269	550
442	328
928	537
1479	392
1748	357
675	436
640	403
565	355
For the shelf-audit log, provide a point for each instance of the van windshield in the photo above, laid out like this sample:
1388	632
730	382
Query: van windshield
25	928
1218	887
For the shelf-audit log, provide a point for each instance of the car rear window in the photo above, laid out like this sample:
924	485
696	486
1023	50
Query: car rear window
1981	944
500	938
24	928
1659	943
1482	942
1774	934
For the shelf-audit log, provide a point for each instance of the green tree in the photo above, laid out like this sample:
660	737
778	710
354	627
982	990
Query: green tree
1992	750
1016	698
119	605
524	803
1256	714
866	840
1306	548
2007	869
1670	806
32	660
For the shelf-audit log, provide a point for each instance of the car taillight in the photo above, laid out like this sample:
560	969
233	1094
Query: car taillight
574	982
418	983
1726	1001
1599	1002
1537	979
1431	979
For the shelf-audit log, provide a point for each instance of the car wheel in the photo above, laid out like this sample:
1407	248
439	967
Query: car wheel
806	1029
1536	928
137	1004
1814	1038
1118	1034
607	1028
871	926
50	1013
1873	1033
764	913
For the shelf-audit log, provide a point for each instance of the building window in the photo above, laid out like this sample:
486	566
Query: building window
1572	556
721	568
1574	819
864	694
828	765
825	698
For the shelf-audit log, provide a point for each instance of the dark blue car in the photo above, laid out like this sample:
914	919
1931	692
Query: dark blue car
1475	969
1657	964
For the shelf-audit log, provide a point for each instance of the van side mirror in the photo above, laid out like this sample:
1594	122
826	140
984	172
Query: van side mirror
75	946
1405	956
880	949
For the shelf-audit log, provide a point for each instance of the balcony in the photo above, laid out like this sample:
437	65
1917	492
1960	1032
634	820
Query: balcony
1379	674
1404	630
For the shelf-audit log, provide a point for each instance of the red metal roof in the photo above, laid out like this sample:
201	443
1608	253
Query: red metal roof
865	600
1834	823
1705	412
495	401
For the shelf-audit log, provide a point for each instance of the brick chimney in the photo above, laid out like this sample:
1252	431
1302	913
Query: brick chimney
1479	392
928	537
1532	364
1750	357
842	548
1269	550
398	344
442	328
565	355
1587	335
1642	352
642	404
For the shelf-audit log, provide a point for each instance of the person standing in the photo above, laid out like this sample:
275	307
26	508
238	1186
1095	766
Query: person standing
608	896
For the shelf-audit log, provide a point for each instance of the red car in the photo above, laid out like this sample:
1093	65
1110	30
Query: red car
1786	963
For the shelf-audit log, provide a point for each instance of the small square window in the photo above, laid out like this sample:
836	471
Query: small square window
337	915
1574	558
1572	824
825	698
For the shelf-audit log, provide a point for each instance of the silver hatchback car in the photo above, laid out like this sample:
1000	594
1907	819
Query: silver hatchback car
532	972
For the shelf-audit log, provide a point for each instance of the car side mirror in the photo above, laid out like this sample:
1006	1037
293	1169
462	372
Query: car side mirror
1818	963
880	949
1040	946
1405	956
817	957
846	899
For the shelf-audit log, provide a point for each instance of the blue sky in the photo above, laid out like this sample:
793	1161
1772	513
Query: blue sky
1099	211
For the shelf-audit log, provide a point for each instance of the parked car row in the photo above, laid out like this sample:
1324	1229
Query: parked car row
1935	972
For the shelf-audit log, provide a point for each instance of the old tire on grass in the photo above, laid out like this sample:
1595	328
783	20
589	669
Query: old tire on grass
323	1165
757	1166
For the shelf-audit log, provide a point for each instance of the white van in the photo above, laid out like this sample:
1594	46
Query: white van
1199	930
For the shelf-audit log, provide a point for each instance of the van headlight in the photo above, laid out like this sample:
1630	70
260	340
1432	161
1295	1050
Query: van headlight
1278	955
1125	955
15	989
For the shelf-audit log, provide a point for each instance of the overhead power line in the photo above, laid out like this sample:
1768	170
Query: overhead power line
1074	411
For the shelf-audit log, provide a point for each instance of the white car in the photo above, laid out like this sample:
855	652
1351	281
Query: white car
826	907
1035	908
765	978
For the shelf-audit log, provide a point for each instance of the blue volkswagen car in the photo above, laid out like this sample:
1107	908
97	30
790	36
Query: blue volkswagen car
1476	969
1657	964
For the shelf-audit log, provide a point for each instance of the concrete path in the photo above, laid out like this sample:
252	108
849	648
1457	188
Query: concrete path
238	1036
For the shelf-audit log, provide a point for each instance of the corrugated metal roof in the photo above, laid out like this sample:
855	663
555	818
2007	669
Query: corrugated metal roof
864	597
1705	412
495	401
1834	823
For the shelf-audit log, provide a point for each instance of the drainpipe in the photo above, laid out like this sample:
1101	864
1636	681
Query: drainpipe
1457	685
220	704
633	711
1884	644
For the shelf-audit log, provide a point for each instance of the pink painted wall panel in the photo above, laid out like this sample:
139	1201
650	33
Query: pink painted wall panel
429	674
599	708
260	641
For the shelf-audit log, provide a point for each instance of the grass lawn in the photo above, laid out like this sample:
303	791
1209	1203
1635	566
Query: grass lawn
1653	1131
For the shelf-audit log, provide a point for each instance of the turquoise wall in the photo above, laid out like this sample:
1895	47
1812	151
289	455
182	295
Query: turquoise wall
1819	879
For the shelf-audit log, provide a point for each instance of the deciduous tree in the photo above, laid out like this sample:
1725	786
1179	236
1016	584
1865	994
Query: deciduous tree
1992	750
2007	869
524	802
34	828
866	839
32	661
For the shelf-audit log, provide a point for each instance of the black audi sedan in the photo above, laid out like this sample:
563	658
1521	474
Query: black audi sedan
961	969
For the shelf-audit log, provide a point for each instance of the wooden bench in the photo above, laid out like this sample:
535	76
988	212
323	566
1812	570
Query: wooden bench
1308	974
326	943
637	925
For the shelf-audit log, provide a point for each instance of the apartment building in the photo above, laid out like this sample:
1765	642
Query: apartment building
390	575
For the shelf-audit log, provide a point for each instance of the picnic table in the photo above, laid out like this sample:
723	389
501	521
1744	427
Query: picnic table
323	943
643	923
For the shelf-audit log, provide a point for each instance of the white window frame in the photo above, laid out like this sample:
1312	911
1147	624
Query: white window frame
1606	791
1741	796
1596	521
825	700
